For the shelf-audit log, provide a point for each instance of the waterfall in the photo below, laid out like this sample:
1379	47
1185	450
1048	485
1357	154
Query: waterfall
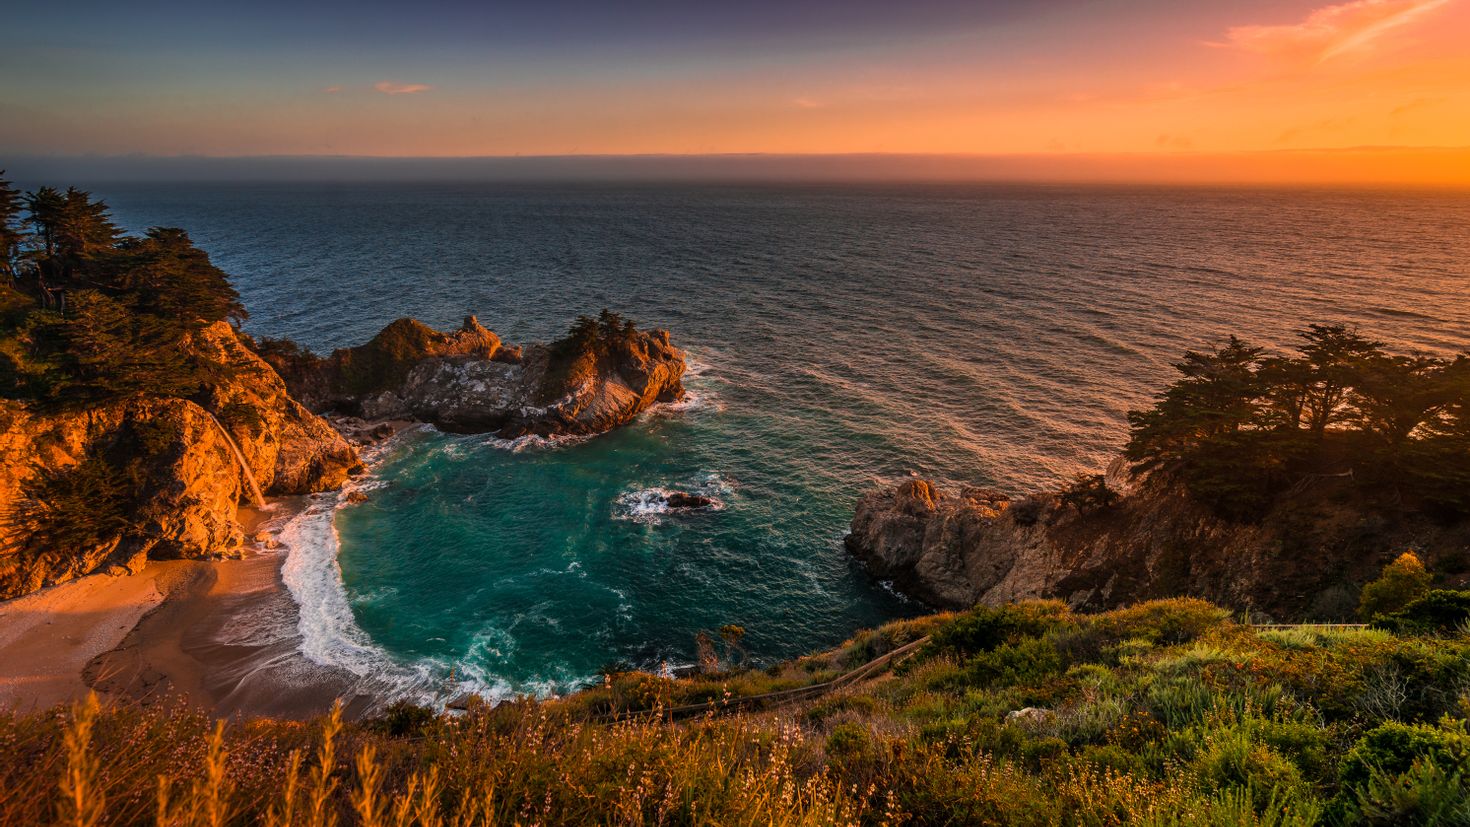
240	459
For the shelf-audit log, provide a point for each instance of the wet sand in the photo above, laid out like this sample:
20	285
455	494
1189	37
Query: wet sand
220	635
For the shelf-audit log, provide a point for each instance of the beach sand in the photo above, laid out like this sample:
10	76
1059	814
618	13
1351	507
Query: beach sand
219	635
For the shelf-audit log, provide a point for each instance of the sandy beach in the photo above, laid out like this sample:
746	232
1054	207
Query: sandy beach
221	635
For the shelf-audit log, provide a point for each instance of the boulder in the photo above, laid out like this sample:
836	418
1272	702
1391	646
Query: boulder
681	500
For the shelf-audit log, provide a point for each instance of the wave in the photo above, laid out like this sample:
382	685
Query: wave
534	442
650	505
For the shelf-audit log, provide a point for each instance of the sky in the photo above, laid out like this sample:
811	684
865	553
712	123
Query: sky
1364	90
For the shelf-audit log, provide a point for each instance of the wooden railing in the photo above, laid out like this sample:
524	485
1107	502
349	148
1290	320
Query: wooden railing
770	700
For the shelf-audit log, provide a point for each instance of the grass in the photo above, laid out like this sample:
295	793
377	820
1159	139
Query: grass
1166	713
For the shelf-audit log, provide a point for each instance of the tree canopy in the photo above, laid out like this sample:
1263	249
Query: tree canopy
91	313
1239	425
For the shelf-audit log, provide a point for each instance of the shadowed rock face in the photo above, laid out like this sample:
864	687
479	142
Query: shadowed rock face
1305	559
176	475
469	382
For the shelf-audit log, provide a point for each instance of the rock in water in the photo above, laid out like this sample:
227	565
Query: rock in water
600	377
681	500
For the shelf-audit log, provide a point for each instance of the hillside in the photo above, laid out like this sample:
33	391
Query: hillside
1165	713
1277	484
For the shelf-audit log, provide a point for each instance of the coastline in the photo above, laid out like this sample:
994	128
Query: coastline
219	635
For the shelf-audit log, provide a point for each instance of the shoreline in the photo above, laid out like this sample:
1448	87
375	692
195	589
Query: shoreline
218	635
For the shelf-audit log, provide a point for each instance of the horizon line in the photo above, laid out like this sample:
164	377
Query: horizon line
1372	166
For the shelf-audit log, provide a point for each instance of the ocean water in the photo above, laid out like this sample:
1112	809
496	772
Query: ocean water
841	336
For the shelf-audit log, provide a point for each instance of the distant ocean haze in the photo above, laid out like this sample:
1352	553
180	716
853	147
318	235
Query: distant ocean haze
841	335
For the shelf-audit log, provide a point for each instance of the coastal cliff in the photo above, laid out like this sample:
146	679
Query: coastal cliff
109	486
600	376
1304	558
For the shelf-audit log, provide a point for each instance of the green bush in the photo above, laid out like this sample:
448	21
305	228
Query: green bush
1174	621
1232	759
985	627
1437	612
1402	582
1408	774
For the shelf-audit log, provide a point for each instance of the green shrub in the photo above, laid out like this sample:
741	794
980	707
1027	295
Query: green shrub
1231	759
1180	701
1424	794
1402	582
1174	621
72	509
1436	612
1392	748
1026	662
984	627
1408	774
403	718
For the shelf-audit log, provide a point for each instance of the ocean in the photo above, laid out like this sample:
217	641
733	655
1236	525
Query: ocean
840	337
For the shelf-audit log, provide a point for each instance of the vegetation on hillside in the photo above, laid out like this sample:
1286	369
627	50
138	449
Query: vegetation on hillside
89	314
1161	713
1240	426
590	345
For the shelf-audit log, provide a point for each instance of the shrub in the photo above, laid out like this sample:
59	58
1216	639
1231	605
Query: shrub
404	718
1089	493
73	509
1231	759
1393	748
1437	612
1402	582
984	627
1407	774
1026	662
1179	620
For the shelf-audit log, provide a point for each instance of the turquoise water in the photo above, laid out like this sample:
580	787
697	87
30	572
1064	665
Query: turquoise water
843	337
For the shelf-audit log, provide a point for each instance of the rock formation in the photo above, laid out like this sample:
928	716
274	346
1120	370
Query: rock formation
468	381
173	479
1303	559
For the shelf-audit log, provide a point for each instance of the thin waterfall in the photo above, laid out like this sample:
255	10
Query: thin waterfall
240	458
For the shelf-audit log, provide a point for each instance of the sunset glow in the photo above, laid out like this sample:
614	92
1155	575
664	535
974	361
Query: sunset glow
1217	90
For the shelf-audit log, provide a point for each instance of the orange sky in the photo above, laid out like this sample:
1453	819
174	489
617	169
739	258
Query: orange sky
1229	89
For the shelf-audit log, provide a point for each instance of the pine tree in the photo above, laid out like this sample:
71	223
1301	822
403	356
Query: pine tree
11	235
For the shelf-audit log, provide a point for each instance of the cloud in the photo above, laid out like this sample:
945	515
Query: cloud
807	103
332	90
1329	31
1416	104
389	87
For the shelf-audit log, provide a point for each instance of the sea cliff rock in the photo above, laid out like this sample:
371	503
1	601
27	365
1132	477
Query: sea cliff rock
468	381
1303	559
155	478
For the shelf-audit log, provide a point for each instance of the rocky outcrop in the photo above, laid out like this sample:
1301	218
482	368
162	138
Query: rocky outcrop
1305	559
155	478
468	381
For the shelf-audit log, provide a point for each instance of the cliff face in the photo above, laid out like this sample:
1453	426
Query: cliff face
469	381
1305	559
164	471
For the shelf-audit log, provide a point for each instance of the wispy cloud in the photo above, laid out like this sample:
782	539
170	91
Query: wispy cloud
807	103
389	87
1330	31
332	90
